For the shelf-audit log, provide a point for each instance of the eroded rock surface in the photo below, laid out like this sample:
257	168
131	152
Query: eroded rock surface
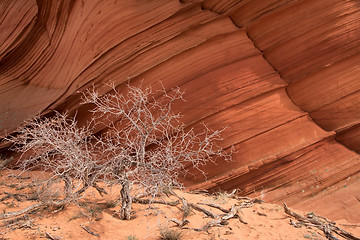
282	76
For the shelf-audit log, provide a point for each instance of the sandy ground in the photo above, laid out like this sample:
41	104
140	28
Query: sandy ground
95	217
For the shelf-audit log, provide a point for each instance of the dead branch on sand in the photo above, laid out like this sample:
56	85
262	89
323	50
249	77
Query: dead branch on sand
313	220
218	220
88	230
32	208
154	201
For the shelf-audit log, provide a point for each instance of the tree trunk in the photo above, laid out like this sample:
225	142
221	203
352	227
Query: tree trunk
126	201
68	188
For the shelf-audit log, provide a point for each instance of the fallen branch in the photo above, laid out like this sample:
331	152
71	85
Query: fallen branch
250	200
180	223
147	201
213	223
100	190
87	229
17	196
186	209
327	230
312	220
247	204
215	206
23	211
219	221
17	223
48	235
207	212
30	209
203	192
14	221
240	219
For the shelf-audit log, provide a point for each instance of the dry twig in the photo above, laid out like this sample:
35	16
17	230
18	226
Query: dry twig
88	230
48	235
215	206
17	196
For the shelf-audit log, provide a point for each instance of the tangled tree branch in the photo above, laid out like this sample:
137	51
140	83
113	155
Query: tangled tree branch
321	223
148	146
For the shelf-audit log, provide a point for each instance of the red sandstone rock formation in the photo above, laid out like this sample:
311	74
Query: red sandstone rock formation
281	75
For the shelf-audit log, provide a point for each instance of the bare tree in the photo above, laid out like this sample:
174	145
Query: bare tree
57	145
149	146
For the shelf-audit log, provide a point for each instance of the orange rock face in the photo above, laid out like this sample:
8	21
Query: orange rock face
281	76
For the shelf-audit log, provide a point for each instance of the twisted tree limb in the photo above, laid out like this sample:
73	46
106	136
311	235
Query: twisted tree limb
201	209
34	207
147	201
219	221
321	223
88	230
23	211
215	206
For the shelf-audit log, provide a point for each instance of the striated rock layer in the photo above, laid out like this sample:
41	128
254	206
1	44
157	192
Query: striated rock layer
281	75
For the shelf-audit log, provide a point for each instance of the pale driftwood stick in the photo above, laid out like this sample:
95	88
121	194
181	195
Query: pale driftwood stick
87	229
327	230
345	234
219	221
326	226
182	199
231	214
20	224
241	219
186	207
14	195
23	211
14	221
250	200
225	210
31	208
48	235
207	212
329	225
61	207
208	225
243	198
5	197
215	206
180	223
297	225
294	214
246	205
205	192
147	201
320	217
100	190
